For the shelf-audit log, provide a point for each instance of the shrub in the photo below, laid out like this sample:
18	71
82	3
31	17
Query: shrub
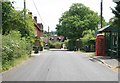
58	45
51	44
14	47
71	44
88	40
41	44
66	44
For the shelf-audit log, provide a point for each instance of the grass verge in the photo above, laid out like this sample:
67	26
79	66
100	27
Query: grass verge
14	63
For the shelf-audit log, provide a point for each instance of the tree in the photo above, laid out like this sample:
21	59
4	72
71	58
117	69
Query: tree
116	22
76	20
7	10
111	21
15	20
17	35
116	11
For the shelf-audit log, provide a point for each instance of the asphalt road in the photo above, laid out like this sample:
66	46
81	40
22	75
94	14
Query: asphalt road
60	66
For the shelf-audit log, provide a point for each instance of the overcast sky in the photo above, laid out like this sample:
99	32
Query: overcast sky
51	10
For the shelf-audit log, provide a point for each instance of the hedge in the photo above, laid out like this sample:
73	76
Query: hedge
14	47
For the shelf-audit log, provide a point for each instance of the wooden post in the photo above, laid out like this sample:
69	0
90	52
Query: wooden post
101	10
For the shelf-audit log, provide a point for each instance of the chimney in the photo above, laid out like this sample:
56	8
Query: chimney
35	18
30	14
40	26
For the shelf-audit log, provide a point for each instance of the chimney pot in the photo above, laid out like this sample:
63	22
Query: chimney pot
35	18
30	13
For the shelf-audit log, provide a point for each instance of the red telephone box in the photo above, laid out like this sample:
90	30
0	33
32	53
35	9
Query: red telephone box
100	45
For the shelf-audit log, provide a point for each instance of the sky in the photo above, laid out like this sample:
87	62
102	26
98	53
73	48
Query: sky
51	10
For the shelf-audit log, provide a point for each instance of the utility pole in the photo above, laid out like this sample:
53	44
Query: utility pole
101	10
48	37
24	8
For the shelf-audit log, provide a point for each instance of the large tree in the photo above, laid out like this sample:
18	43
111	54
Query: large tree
116	11
76	20
116	22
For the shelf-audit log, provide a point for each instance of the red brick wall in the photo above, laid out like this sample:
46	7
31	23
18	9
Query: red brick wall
38	33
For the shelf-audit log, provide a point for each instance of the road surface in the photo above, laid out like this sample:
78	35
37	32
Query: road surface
60	66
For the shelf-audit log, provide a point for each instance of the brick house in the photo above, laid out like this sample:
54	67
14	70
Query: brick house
38	28
38	32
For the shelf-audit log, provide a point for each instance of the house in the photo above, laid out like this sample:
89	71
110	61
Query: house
57	38
38	30
38	27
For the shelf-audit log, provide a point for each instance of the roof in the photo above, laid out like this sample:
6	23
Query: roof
108	28
37	26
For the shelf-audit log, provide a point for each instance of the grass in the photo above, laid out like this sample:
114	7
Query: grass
92	55
117	68
79	51
0	67
14	63
20	60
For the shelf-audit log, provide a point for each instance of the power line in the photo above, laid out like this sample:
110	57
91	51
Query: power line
38	12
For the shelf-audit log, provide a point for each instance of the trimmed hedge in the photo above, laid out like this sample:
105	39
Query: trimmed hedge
58	45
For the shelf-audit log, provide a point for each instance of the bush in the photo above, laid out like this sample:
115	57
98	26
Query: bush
14	47
66	44
88	41
51	44
58	45
41	44
71	45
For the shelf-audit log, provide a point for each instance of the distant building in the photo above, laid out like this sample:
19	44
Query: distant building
56	38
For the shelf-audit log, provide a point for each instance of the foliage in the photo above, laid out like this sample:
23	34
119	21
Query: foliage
55	44
58	45
41	44
14	47
116	11
45	35
66	43
111	21
51	44
0	52
117	22
0	17
16	20
41	41
71	44
76	20
17	33
87	36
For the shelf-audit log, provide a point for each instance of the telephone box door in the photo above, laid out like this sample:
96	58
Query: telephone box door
100	45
